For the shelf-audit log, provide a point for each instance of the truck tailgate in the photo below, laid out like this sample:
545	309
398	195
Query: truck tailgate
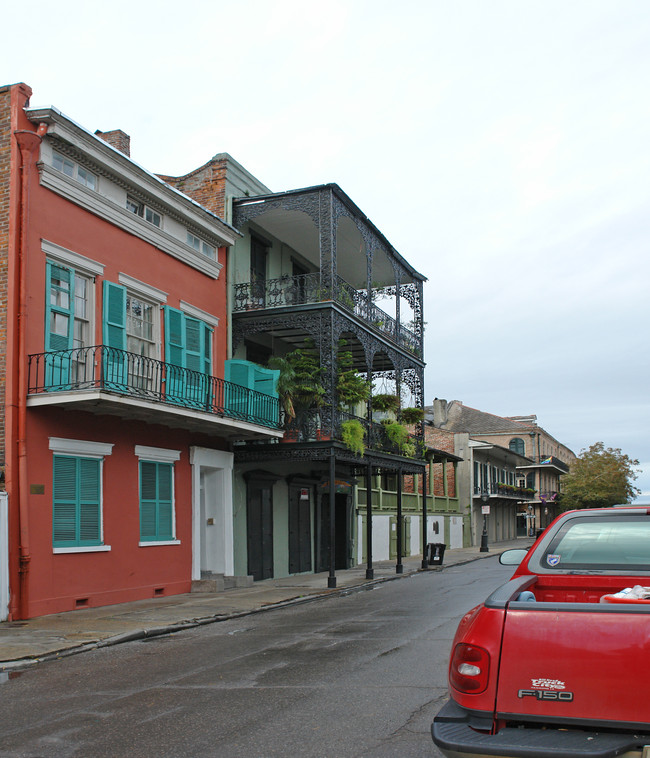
580	662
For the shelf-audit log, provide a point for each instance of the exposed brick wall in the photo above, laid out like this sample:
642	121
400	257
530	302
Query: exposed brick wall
5	174
441	440
206	185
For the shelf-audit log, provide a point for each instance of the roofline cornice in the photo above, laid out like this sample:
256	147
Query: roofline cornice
117	164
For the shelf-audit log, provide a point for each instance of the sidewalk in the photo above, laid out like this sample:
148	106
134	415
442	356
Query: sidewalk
23	643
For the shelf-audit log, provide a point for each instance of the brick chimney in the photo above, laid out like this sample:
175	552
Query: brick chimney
117	139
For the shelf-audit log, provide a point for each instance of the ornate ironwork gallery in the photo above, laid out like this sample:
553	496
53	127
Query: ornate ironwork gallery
320	297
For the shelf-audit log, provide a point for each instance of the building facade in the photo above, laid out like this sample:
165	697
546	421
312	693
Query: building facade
313	283
118	420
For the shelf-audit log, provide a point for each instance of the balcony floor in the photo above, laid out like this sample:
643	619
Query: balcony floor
102	402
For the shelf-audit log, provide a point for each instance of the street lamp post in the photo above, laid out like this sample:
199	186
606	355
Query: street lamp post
484	537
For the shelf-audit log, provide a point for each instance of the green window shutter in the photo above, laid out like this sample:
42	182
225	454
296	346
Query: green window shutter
156	501
64	507
238	372
114	331
239	377
193	347
115	315
175	355
174	337
76	502
89	498
207	349
164	478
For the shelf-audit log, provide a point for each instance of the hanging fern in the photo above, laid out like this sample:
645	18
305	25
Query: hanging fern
385	402
399	436
354	435
412	415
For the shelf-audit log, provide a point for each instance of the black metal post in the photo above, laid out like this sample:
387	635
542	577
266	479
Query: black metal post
370	572
399	568
331	579
484	537
425	560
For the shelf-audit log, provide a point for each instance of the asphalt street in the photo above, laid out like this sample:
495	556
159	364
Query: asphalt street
351	675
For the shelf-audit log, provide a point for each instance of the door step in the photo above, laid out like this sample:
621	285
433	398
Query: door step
219	583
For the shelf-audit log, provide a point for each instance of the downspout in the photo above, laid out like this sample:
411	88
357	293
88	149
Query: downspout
28	142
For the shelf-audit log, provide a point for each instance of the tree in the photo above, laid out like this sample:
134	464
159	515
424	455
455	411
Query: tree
599	478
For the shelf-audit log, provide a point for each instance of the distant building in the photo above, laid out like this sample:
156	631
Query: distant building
514	461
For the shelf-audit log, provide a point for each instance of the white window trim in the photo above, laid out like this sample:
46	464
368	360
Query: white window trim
162	542
76	261
92	549
141	288
191	310
157	454
161	455
84	448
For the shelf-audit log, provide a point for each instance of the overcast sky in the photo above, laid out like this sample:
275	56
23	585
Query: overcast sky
502	146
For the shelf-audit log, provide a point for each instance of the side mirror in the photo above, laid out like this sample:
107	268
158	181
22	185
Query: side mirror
512	557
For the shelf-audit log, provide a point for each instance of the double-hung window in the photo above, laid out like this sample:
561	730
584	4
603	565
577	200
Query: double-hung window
156	487
77	523
68	327
131	335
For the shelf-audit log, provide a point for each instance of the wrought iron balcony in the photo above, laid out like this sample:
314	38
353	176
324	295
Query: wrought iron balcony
122	373
499	489
307	426
307	289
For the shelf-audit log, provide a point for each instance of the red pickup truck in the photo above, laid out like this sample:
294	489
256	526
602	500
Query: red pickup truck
556	662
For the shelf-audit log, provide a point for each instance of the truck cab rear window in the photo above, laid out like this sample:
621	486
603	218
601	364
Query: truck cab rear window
607	543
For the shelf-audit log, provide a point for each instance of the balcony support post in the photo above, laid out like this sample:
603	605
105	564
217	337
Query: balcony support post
370	572
399	568
331	579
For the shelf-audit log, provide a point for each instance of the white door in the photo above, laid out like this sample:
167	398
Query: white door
212	532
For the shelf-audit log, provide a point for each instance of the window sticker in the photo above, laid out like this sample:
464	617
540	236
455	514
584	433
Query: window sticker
553	560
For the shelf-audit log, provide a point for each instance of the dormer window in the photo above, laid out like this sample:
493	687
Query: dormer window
74	170
144	211
201	247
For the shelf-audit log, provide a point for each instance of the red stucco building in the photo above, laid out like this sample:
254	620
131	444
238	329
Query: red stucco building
116	418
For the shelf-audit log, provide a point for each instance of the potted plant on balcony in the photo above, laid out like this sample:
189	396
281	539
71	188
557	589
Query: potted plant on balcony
353	435
398	435
299	387
351	387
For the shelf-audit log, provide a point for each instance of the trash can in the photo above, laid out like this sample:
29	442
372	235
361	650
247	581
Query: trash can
436	553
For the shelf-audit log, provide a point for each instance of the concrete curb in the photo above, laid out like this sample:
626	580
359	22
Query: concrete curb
28	661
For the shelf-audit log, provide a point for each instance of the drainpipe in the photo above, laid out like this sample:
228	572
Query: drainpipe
28	142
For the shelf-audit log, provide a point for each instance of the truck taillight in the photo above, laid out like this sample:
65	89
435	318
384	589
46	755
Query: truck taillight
470	666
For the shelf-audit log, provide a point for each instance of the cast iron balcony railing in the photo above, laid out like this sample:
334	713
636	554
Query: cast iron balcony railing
123	373
306	427
307	289
499	489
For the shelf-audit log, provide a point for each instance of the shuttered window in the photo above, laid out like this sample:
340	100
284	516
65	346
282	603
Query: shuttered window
76	518
188	345
156	501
